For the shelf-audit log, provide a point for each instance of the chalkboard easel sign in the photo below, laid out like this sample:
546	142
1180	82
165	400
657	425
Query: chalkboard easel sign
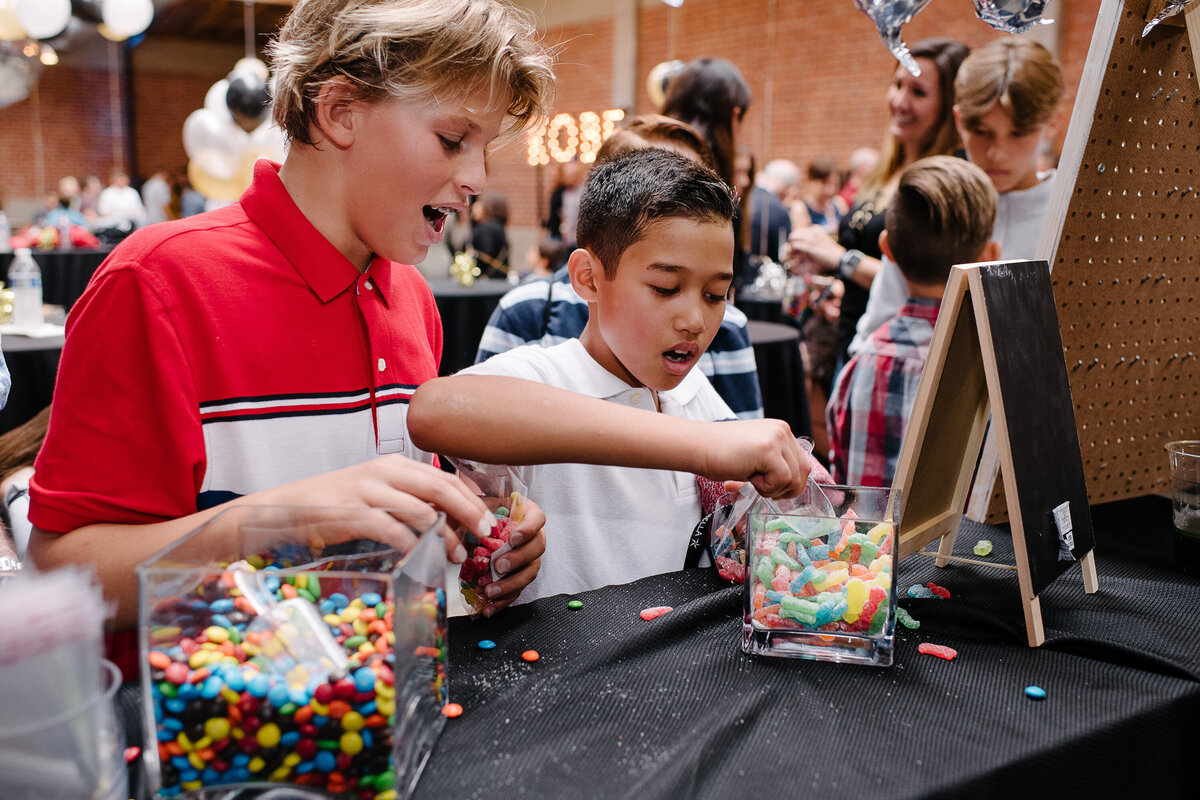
996	347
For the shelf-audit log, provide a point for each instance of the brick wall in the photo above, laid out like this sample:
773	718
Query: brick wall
817	71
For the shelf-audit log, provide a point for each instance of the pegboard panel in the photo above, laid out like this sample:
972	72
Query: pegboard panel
1123	231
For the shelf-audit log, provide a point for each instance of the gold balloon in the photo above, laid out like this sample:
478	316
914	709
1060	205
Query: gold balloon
218	189
464	269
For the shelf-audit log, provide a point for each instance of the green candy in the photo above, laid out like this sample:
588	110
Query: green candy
574	605
983	548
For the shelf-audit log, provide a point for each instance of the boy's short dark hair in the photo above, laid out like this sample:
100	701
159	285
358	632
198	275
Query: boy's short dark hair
627	194
942	214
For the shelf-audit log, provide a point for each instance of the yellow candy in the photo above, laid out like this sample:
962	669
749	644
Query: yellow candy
198	659
385	706
291	760
384	690
256	561
353	721
217	728
856	598
320	708
351	743
229	695
268	735
189	785
215	633
390	794
279	775
360	627
879	532
237	733
184	742
256	765
195	760
203	742
332	620
349	614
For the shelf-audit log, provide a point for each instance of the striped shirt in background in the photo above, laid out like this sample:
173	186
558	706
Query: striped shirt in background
524	318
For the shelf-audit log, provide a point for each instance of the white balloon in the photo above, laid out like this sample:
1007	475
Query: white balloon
127	17
268	140
214	100
214	144
43	19
254	66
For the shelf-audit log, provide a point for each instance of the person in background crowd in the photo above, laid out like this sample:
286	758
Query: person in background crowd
156	196
564	203
922	124
191	202
542	257
89	196
489	234
774	190
711	95
121	202
68	187
18	452
819	203
941	214
861	162
1008	105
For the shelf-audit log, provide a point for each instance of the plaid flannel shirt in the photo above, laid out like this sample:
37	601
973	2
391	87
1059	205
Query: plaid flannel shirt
873	397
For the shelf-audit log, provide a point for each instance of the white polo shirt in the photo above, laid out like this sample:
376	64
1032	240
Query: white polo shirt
605	525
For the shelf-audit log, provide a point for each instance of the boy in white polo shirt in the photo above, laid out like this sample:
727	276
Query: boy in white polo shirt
655	238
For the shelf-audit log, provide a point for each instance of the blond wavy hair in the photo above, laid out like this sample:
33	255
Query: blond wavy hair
423	50
1018	74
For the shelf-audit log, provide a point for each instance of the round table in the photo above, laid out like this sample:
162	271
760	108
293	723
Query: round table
65	273
33	364
465	311
781	374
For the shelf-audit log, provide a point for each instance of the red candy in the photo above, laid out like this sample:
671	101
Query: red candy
731	570
657	611
476	572
938	590
939	650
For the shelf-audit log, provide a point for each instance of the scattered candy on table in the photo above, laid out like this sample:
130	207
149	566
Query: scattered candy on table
530	655
1035	693
655	612
486	644
232	704
938	590
906	619
451	710
920	592
983	548
939	650
575	605
822	574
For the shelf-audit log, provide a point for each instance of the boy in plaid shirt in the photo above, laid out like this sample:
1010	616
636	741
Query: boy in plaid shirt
942	215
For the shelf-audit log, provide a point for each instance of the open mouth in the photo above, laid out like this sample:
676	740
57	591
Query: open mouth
436	215
678	356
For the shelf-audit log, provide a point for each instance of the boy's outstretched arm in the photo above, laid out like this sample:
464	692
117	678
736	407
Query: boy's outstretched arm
501	420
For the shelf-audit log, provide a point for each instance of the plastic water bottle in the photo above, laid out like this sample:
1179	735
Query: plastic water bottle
64	233
25	280
5	233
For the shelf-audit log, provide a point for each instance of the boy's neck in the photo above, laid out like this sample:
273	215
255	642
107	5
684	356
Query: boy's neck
926	290
593	343
318	193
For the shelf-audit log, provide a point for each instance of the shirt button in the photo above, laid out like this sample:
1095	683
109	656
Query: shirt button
636	399
368	286
382	365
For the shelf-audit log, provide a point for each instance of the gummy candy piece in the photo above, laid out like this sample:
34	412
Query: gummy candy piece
731	570
920	592
906	619
939	650
657	611
938	590
983	548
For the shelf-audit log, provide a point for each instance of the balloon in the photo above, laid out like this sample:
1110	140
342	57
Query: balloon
254	66
248	99
889	16
10	26
215	144
215	188
1013	16
214	99
17	76
43	19
127	18
660	75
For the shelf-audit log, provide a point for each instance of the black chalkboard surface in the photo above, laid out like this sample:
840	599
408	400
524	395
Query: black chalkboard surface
996	347
1035	398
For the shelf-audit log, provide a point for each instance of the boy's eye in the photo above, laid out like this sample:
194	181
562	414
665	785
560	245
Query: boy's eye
714	298
664	291
449	143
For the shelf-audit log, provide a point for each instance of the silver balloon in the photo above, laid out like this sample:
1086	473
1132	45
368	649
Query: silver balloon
1013	16
889	16
1173	8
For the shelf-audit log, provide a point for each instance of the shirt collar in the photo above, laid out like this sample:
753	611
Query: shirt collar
596	381
321	265
924	307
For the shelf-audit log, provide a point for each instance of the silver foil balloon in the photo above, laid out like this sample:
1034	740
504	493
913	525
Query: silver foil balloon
1013	16
889	16
1173	7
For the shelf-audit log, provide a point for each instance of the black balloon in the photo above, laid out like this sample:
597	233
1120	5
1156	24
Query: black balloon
248	100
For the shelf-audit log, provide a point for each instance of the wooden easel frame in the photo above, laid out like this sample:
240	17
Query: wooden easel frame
937	458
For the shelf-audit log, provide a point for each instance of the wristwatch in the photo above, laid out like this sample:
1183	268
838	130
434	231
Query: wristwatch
848	263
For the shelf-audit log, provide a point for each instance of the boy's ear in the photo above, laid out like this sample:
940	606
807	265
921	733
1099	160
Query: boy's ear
586	272
991	252
335	112
957	119
884	246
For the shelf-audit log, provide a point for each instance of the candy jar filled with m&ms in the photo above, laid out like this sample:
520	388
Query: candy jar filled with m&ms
819	576
294	648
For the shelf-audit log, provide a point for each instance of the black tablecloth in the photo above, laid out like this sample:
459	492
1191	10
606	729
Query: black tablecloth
761	308
465	311
781	374
65	273
617	707
33	365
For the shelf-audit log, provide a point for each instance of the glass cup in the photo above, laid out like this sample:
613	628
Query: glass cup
820	579
1185	497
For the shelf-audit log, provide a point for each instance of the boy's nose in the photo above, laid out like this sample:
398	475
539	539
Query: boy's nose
472	174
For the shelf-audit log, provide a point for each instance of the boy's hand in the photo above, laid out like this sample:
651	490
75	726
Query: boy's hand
762	451
519	566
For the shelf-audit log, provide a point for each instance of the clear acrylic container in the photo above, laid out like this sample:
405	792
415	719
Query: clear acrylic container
820	576
287	644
